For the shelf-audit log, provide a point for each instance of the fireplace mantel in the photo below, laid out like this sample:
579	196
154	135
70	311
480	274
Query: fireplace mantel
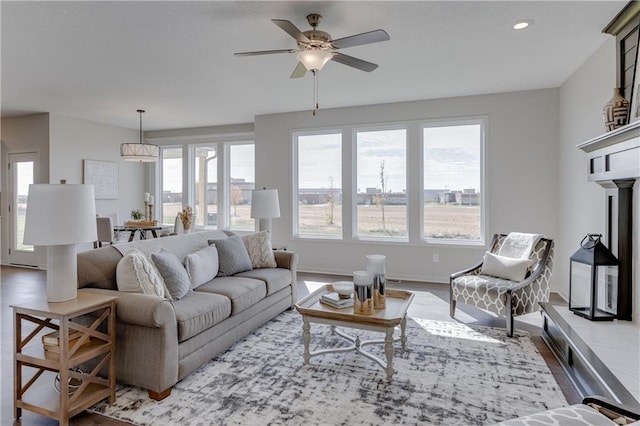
614	155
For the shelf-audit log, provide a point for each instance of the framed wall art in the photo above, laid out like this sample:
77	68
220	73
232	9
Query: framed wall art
103	175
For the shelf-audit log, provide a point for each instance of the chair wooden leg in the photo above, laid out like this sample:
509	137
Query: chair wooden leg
159	396
509	314
452	308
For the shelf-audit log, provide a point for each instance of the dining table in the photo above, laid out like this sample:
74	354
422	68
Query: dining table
142	230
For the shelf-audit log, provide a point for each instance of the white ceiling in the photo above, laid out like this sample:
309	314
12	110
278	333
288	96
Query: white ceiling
103	60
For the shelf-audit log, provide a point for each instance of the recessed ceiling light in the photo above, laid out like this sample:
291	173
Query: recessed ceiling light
521	25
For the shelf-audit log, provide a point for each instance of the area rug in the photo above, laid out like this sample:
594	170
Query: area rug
450	374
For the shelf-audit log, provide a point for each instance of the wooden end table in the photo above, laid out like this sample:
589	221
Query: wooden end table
383	320
38	393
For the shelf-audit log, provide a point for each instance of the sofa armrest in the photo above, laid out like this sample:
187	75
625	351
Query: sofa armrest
286	259
140	309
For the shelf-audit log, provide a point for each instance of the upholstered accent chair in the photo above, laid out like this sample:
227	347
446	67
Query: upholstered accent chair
503	296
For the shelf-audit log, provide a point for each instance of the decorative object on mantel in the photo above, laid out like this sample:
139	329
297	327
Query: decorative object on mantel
616	111
143	152
58	217
186	217
593	272
635	89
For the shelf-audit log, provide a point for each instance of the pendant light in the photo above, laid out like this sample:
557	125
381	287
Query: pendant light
143	152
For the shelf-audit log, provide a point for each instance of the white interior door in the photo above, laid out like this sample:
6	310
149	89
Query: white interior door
22	172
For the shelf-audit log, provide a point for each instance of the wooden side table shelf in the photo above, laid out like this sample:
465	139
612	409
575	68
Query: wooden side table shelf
37	393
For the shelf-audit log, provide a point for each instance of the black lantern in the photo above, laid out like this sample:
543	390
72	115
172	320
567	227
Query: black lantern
593	285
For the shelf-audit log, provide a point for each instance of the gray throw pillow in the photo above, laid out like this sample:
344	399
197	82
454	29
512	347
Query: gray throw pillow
175	276
232	256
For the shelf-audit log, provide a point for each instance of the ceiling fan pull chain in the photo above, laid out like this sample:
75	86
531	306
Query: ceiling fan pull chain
315	92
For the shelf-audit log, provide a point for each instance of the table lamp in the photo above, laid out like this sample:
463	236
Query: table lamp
265	206
58	217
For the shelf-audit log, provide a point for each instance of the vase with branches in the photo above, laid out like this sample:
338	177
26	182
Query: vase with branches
186	217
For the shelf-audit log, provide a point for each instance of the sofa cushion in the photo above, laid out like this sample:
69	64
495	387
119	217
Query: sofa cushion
136	273
202	266
243	292
232	256
196	312
258	246
175	276
275	278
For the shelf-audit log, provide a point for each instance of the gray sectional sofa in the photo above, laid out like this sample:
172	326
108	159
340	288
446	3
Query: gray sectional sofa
159	341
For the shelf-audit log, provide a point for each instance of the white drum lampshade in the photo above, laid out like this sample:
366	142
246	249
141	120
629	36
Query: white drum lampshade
265	206
59	217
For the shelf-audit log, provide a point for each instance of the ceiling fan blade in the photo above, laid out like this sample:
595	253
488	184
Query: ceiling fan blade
354	62
265	52
360	39
292	30
300	71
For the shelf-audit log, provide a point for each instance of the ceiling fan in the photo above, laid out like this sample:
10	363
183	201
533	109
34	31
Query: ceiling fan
316	48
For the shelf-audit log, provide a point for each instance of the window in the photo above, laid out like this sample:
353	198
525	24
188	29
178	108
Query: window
206	186
409	182
219	190
319	185
240	184
452	181
381	196
171	184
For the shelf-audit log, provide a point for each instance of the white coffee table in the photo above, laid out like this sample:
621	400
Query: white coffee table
383	320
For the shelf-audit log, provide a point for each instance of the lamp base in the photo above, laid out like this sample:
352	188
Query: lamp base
62	275
265	225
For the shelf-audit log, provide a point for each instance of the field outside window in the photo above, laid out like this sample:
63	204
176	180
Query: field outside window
319	185
452	182
381	196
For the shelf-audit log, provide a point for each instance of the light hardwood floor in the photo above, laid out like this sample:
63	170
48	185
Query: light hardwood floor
431	301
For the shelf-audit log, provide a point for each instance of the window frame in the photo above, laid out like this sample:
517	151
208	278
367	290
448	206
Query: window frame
354	189
188	146
465	121
414	178
295	137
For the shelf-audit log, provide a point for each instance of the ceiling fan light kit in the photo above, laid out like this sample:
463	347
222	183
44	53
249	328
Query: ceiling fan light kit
316	48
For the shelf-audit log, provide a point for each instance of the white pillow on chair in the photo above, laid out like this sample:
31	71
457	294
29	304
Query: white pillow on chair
508	268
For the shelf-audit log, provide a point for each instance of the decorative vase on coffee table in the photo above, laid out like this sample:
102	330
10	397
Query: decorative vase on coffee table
363	293
616	112
376	266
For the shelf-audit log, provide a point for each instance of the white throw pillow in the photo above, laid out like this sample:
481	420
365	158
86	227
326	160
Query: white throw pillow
202	266
136	273
504	267
259	248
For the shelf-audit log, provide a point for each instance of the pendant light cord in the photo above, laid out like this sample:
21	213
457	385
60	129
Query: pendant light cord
140	111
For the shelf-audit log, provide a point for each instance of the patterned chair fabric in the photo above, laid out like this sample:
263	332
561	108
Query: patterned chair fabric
501	296
594	411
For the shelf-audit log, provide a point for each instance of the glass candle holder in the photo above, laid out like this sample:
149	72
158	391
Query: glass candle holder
376	266
363	293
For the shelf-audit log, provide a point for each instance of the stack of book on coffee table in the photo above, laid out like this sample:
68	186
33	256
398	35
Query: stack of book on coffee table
335	301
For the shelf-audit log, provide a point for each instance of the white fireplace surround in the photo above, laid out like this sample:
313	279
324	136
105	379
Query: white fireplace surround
612	157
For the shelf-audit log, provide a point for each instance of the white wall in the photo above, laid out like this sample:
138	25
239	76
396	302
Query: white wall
582	203
28	133
72	140
522	175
